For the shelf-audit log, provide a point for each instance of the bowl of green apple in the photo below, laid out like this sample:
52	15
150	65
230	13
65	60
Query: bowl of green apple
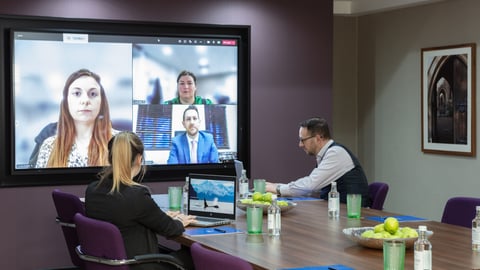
372	237
264	200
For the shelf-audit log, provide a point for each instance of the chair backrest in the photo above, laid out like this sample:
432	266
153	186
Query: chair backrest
207	259
460	211
101	246
67	205
378	192
100	239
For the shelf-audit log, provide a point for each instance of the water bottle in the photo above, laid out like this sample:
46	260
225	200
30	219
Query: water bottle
185	195
243	185
476	230
333	201
274	218
422	253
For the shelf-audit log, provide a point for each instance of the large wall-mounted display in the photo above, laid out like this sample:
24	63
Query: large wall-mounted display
69	85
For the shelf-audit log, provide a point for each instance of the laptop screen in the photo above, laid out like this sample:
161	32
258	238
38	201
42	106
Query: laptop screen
212	196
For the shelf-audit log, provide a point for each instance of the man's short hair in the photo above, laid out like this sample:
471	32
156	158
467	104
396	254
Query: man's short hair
316	125
190	107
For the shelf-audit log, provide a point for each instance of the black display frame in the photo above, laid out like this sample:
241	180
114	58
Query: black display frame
155	173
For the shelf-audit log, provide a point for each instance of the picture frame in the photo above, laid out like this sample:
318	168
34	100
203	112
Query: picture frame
448	100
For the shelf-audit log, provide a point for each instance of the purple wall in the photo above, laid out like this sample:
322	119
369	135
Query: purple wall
291	79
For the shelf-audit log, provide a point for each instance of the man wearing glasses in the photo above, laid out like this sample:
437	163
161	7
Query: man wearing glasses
334	163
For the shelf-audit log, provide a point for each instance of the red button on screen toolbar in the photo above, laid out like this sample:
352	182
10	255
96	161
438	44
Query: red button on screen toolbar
231	42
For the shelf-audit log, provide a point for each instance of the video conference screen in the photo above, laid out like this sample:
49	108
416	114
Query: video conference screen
139	77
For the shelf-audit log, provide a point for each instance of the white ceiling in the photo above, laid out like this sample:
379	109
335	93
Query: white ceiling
363	7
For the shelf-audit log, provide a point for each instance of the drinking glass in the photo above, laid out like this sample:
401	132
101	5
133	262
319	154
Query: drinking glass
254	220
259	185
354	205
174	198
393	254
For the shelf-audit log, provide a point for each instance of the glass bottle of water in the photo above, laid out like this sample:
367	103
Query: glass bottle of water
274	218
243	185
185	196
333	201
422	253
476	230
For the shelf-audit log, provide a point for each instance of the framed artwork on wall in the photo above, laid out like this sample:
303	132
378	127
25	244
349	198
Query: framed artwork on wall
448	100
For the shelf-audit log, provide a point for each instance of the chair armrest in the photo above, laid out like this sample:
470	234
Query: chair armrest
65	224
157	257
139	259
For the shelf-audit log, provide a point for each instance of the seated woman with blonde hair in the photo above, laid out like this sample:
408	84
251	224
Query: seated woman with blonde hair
120	199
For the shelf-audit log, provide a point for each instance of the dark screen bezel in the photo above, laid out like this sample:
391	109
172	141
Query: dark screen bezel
74	176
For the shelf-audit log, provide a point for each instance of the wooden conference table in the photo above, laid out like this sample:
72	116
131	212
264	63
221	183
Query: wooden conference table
310	238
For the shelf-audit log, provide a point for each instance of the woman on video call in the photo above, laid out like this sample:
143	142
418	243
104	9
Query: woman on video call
84	127
187	90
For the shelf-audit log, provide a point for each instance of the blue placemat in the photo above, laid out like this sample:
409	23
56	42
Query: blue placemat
211	231
399	218
324	267
295	199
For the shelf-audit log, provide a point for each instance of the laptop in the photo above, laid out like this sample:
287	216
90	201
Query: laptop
212	199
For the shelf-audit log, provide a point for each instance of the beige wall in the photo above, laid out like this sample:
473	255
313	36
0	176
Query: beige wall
344	123
388	82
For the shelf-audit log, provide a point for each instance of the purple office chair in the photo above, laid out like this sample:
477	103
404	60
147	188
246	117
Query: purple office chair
460	211
67	205
207	259
102	248
378	192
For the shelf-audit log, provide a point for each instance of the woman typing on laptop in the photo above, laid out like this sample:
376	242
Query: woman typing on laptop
120	199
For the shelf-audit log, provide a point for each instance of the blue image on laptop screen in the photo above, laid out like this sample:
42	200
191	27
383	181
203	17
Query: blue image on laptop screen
212	196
